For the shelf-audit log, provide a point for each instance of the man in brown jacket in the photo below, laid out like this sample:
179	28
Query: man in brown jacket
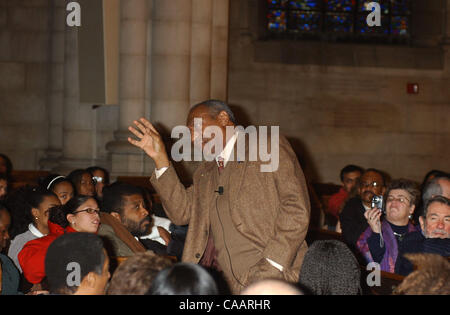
256	221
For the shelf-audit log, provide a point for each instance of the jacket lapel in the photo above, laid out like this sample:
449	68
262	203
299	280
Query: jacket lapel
238	166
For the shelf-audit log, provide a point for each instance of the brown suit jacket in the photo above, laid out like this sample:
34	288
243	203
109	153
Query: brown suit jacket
271	209
117	230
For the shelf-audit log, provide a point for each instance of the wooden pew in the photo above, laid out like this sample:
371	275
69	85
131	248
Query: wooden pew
22	178
388	282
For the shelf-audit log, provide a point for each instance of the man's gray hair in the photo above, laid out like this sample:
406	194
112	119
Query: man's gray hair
433	188
215	107
438	199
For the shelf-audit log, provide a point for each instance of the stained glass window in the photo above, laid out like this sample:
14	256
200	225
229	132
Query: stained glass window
338	18
339	23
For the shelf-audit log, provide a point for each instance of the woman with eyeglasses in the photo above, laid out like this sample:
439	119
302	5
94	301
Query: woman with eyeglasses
79	214
385	241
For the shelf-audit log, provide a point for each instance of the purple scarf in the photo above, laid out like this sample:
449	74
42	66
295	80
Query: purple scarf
390	242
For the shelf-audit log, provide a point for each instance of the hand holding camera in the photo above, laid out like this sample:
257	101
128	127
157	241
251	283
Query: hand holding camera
373	215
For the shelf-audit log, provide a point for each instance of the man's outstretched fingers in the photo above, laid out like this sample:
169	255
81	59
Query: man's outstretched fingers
149	125
136	133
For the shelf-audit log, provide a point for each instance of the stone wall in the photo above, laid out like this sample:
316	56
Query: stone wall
337	103
346	103
24	75
42	123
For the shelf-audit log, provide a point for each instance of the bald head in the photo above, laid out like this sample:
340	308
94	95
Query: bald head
271	287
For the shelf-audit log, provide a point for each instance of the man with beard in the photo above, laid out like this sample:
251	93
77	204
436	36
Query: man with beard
125	203
352	219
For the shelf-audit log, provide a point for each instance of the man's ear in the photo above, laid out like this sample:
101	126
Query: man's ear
223	118
90	280
117	216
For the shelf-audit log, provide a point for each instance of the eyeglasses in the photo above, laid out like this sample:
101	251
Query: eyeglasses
400	199
372	184
89	210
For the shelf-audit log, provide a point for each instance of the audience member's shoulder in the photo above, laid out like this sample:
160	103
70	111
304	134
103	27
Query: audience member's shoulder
352	203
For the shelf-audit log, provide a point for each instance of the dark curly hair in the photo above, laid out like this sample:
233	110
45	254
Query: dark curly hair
76	176
58	214
20	203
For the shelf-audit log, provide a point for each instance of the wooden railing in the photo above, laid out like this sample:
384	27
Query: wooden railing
22	178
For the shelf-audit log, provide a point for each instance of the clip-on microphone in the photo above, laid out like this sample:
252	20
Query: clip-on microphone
220	190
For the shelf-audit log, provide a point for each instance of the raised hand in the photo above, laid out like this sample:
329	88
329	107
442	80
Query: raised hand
373	219
150	142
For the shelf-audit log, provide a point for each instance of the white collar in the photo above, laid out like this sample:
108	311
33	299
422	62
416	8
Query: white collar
226	153
34	230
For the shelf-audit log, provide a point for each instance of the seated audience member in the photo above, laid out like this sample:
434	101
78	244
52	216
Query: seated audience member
101	179
9	275
60	185
184	279
73	253
349	178
4	185
164	231
435	224
29	207
438	186
135	275
432	276
385	241
126	204
271	287
83	182
352	219
427	178
330	268
80	214
6	166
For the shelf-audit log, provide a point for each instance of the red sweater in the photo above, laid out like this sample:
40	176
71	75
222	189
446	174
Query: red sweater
335	202
32	256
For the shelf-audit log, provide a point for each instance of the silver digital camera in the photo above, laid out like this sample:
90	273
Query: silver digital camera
377	202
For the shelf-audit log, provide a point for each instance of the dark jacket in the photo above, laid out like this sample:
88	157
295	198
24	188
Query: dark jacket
10	276
353	222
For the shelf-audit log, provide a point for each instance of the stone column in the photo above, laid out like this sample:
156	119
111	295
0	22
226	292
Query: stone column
189	56
171	62
219	50
56	86
126	159
173	54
